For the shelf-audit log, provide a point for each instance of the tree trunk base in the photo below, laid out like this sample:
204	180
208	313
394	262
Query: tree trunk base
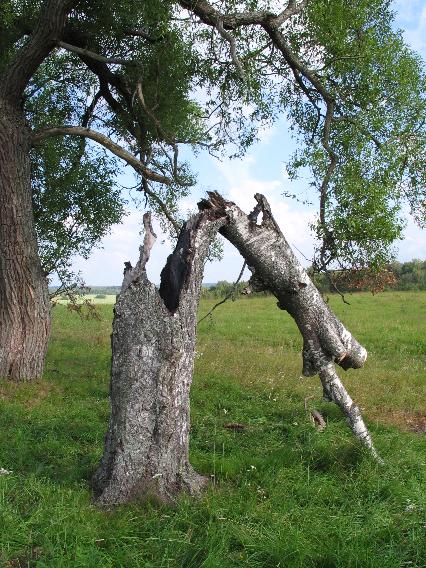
153	344
156	487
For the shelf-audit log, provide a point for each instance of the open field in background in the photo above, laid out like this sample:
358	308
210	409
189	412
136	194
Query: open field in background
95	298
282	494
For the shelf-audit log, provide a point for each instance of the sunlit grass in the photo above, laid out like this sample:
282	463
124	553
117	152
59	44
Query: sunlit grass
282	494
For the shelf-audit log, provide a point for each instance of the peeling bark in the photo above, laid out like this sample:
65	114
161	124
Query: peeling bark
338	394
276	268
153	343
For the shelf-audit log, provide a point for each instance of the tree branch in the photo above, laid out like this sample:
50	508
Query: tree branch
41	135
23	66
87	53
233	48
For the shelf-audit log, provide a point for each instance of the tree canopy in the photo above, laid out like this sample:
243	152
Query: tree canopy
141	79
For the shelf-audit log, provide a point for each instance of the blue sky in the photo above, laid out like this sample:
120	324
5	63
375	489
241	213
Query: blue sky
261	170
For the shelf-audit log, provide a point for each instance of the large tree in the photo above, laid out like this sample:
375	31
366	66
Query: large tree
56	78
125	76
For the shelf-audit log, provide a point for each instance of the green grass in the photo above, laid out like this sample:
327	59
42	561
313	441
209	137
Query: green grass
109	299
282	494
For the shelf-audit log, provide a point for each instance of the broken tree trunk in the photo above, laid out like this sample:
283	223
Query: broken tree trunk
153	343
275	268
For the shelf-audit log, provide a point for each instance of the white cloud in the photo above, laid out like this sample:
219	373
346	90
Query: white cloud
293	221
414	243
411	17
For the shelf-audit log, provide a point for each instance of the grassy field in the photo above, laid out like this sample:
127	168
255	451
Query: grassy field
106	299
282	494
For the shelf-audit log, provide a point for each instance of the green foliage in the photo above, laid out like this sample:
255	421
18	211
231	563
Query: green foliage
376	131
355	101
378	137
223	289
281	492
410	275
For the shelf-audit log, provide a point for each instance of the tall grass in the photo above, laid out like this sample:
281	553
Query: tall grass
282	494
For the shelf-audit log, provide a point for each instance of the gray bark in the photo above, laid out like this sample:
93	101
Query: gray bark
274	266
24	299
153	343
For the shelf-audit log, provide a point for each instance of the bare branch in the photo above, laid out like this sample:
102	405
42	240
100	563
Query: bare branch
87	53
336	391
292	9
233	48
144	34
41	135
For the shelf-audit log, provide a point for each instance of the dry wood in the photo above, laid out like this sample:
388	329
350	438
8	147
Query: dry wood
275	267
153	347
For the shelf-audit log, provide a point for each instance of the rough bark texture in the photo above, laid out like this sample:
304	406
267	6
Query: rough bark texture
338	394
153	342
275	268
24	300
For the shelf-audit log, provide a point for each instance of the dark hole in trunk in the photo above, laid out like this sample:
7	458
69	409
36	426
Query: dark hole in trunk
175	272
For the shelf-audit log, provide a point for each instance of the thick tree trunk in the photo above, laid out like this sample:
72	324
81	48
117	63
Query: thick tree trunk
275	268
153	342
24	300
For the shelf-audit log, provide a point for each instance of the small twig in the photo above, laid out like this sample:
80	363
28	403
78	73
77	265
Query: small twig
233	48
230	293
336	289
316	418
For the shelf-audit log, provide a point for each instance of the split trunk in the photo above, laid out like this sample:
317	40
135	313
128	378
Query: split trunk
153	343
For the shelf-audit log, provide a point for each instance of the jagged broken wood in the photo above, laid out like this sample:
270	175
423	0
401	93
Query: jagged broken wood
275	268
153	344
153	347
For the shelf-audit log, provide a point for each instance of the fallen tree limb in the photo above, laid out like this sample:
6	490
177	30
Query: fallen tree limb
275	268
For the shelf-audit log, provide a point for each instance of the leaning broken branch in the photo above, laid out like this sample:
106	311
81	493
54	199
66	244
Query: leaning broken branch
325	339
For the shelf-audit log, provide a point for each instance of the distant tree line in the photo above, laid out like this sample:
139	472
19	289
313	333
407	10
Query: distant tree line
397	276
95	290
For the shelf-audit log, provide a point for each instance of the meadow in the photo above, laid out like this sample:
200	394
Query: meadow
282	494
